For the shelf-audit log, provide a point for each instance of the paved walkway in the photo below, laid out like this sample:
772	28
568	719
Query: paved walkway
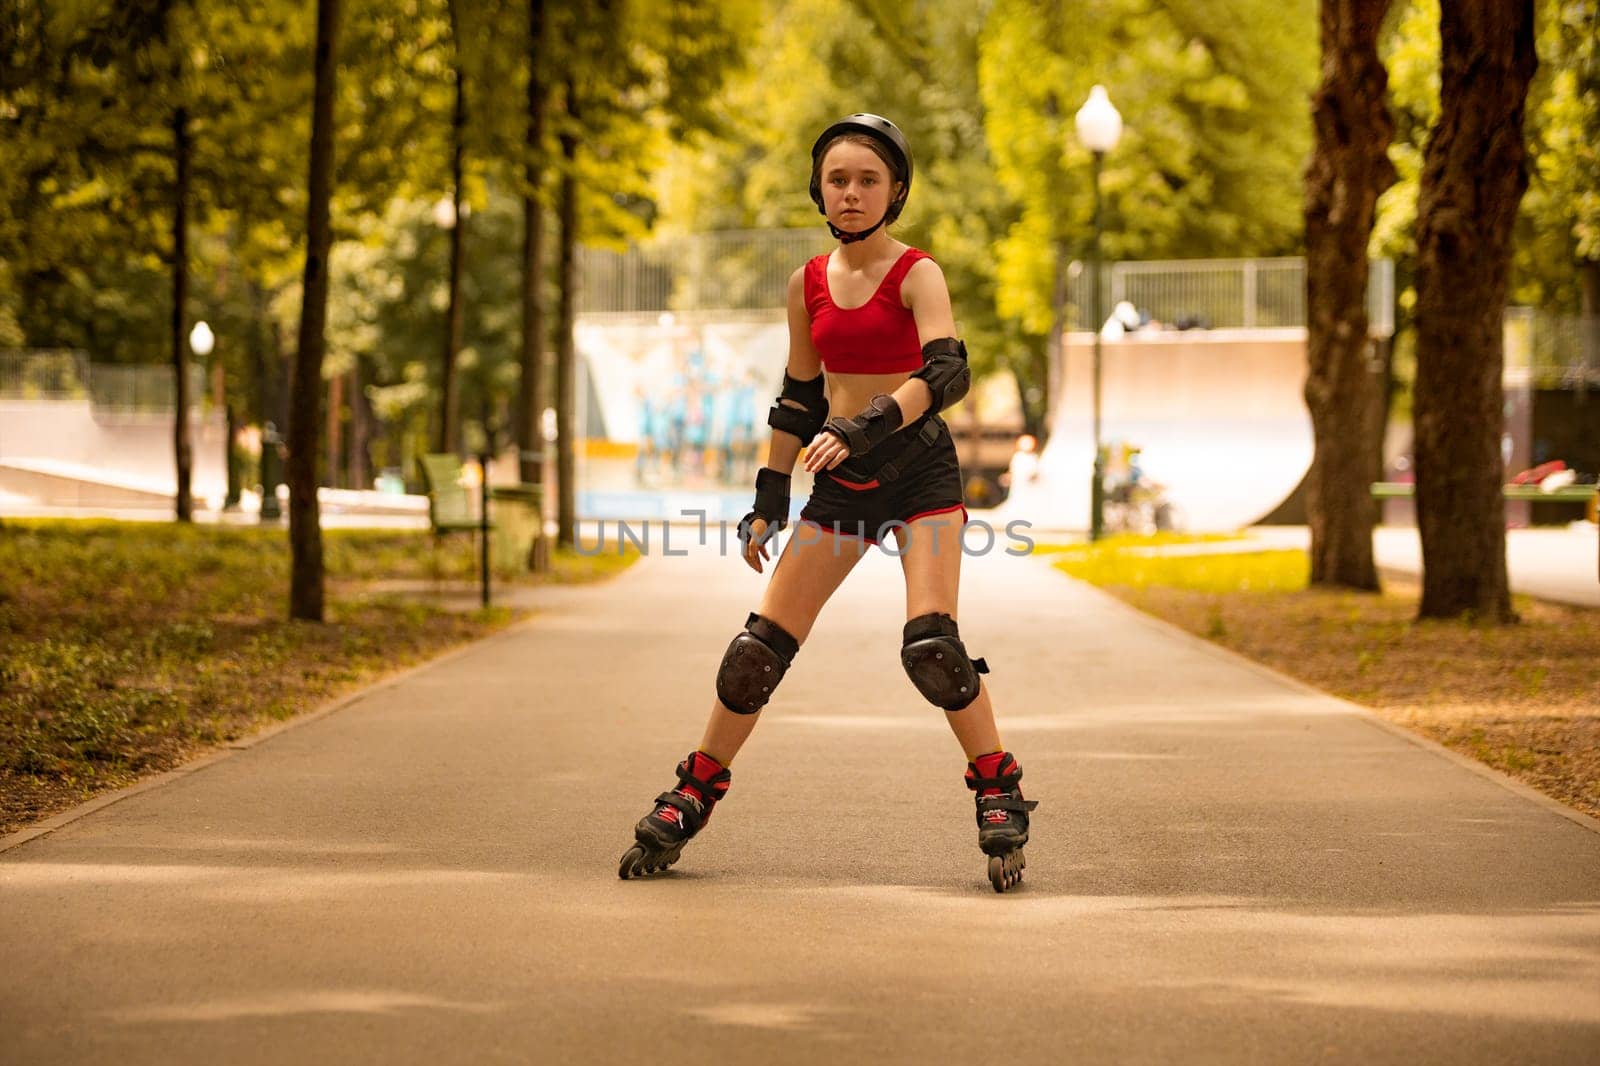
1226	867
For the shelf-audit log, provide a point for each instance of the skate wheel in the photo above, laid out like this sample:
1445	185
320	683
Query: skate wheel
630	865
1006	871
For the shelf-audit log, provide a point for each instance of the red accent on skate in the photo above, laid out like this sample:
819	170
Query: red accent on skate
993	765
702	767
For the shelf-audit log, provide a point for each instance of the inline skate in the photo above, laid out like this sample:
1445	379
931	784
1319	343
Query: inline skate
1002	816
679	814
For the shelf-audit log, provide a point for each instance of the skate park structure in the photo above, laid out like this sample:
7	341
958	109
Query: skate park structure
1216	408
77	434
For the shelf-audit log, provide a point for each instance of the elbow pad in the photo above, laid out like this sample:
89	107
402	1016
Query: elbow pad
805	421
944	370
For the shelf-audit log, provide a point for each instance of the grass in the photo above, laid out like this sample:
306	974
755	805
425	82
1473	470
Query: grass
1524	699
127	647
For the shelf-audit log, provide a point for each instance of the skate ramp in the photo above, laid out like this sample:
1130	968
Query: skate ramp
70	453
1220	416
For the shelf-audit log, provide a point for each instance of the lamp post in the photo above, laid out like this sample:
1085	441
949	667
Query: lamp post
1099	128
268	383
201	342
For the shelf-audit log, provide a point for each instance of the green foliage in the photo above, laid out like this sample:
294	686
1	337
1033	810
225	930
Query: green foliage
1559	220
1138	567
1560	223
1215	131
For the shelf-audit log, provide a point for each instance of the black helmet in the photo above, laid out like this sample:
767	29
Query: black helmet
879	129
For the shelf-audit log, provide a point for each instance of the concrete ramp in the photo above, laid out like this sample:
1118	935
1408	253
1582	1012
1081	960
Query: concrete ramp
71	453
1219	414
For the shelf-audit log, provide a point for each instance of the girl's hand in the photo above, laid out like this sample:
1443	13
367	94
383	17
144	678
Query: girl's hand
825	452
755	548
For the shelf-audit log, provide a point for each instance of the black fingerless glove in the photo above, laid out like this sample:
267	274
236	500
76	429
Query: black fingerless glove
871	427
772	505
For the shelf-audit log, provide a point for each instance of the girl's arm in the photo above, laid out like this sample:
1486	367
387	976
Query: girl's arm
926	294
800	408
805	367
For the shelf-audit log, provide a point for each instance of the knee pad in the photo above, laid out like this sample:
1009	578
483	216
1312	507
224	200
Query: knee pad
937	662
754	664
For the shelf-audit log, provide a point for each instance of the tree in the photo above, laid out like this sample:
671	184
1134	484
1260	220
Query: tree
566	349
1214	137
1558	241
530	406
1349	169
180	299
1474	174
305	531
449	439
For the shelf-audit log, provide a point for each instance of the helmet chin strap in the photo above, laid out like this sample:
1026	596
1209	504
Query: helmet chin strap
844	237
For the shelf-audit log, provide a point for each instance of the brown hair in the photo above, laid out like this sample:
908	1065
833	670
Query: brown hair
866	141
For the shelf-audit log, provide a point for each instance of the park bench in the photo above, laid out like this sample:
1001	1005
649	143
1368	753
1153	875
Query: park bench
451	510
1404	490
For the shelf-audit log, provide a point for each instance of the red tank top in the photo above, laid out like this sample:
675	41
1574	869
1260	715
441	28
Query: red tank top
879	337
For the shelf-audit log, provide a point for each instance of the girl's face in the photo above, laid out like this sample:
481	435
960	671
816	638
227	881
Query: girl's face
856	186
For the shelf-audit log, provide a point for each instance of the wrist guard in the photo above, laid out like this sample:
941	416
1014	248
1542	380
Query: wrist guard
805	421
871	427
944	370
772	505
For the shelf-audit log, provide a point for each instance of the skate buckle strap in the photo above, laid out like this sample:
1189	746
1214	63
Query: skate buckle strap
707	786
1006	803
693	810
1005	782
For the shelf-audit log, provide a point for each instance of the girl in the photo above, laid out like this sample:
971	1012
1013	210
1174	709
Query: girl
872	319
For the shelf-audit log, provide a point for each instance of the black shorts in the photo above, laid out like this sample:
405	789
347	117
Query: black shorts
905	478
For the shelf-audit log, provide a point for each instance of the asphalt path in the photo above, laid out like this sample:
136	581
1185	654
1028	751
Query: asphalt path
1226	867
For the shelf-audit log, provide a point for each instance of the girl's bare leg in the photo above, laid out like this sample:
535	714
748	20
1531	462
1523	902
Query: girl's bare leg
932	565
812	567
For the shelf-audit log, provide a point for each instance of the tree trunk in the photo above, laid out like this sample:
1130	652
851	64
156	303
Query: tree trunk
530	391
449	392
1349	169
305	530
1473	176
360	460
1589	334
333	475
181	449
1588	321
566	355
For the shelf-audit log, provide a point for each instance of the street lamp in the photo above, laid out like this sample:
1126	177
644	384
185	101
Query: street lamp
1099	128
201	339
267	379
201	342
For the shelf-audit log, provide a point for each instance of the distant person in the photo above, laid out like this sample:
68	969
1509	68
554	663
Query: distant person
644	458
1024	465
873	317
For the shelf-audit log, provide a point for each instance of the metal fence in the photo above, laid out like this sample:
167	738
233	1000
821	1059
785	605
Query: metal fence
1222	293
43	374
1550	351
731	270
33	374
747	270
